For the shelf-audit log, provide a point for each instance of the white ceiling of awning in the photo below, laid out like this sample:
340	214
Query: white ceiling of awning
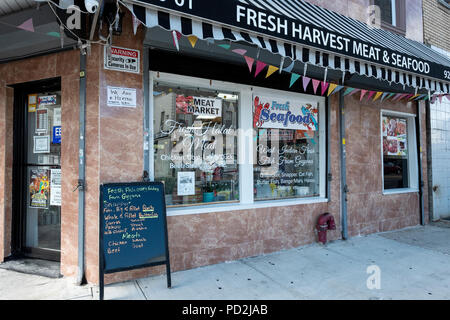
10	6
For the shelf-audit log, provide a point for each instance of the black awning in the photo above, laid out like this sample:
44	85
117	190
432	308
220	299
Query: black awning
31	32
304	32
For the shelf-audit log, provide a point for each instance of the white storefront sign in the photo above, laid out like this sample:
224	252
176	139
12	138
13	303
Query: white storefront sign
121	97
122	59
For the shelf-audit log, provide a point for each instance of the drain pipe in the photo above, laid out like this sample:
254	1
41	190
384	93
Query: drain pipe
81	167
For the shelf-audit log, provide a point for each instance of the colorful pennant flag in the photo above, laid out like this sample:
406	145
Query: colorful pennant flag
27	25
225	46
193	40
240	51
136	23
259	67
53	34
371	93
271	70
363	93
348	91
384	96
294	78
249	63
414	96
315	85
355	91
331	88
338	88
390	95
176	37
291	66
306	82
324	87
377	96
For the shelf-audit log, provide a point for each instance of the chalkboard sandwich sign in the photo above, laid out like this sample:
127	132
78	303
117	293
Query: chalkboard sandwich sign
133	228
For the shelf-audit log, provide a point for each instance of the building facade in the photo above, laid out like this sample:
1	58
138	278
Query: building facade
341	134
436	15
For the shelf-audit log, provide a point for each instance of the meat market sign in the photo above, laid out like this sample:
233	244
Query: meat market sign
237	14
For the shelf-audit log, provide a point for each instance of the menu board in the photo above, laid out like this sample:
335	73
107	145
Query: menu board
133	225
395	142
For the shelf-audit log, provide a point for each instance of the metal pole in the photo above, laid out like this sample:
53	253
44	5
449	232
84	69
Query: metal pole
419	157
344	188
146	81
81	167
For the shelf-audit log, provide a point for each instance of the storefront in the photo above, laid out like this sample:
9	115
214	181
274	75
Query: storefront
257	123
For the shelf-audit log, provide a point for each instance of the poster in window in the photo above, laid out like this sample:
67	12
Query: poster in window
55	187
281	113
186	183
32	102
42	120
39	188
41	144
394	136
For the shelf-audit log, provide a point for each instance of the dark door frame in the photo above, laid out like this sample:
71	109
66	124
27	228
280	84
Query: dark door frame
19	176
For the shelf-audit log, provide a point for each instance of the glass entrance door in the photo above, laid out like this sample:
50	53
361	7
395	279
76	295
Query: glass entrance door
42	174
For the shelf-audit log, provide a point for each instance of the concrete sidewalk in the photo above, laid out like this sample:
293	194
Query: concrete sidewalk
413	264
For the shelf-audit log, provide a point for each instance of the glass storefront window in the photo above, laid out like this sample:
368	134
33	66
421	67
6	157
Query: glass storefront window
195	144
287	148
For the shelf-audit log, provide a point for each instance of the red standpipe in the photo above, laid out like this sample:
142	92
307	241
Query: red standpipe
324	223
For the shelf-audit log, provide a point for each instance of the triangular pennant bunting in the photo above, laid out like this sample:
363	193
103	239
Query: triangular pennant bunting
363	93
193	40
331	88
294	78
271	70
136	23
371	93
306	81
225	46
324	87
249	62
390	96
377	96
259	67
291	66
240	51
27	25
384	96
176	36
348	91
338	88
315	85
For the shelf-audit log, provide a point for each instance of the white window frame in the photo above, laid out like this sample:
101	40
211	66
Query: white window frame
245	146
413	166
394	12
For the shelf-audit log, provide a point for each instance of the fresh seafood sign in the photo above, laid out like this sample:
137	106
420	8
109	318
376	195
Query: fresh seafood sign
394	136
269	112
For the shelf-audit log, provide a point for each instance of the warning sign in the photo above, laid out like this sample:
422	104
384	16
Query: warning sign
122	59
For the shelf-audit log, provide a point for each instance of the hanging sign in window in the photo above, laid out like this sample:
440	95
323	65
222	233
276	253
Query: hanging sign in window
199	106
276	113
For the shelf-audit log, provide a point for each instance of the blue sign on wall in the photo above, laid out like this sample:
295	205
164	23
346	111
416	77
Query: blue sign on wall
56	134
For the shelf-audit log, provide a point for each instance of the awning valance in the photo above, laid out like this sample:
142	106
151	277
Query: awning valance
303	32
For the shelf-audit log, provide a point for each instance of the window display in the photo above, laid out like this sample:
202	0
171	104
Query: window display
395	152
287	148
195	144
